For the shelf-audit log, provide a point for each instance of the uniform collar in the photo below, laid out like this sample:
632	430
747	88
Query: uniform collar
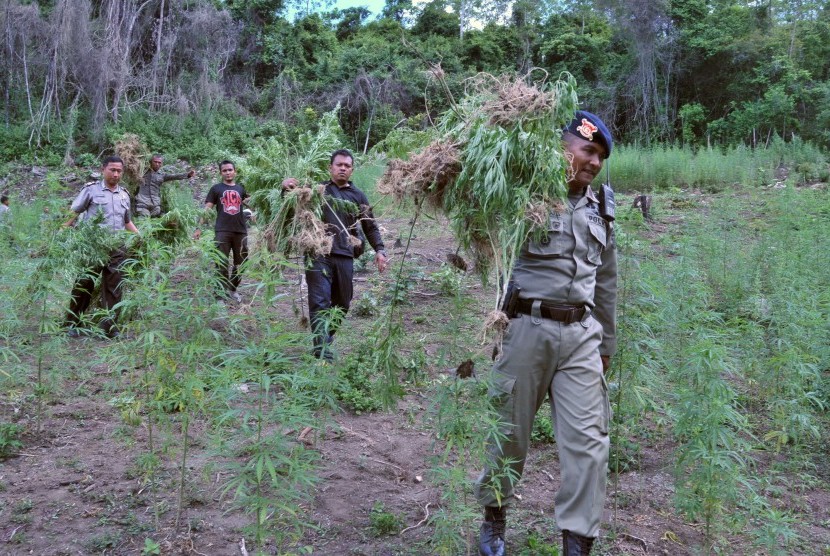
590	194
587	197
104	186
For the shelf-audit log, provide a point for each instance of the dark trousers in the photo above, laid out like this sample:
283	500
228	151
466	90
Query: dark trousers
111	278
329	282
225	243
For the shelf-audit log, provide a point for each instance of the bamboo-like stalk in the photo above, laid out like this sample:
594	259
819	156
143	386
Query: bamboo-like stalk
183	467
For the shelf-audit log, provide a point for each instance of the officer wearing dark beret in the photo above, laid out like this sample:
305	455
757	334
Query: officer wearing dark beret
561	337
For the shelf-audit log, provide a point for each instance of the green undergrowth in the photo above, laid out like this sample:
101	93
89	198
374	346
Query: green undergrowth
724	338
715	169
722	367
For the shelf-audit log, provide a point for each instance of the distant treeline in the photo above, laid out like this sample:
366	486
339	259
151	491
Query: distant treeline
74	73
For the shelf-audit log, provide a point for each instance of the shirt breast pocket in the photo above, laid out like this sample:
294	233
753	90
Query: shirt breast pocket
98	204
597	240
551	244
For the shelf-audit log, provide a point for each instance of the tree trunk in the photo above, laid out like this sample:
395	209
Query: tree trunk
159	33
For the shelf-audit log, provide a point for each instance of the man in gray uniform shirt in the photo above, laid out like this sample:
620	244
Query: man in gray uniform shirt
148	200
559	344
112	202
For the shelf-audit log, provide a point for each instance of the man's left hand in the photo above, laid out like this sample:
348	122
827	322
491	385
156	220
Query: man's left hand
606	362
382	261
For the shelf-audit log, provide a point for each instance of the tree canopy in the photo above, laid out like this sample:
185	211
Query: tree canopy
693	72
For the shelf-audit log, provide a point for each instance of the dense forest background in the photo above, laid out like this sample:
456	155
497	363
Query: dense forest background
196	78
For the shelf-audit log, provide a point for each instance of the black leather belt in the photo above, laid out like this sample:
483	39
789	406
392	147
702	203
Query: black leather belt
562	313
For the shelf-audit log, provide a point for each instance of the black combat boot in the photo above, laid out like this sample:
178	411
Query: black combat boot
491	538
576	545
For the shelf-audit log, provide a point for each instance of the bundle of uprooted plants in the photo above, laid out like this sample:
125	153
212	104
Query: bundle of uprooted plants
496	171
293	218
135	156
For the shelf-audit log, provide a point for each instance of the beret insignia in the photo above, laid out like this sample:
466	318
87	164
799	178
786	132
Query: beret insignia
587	129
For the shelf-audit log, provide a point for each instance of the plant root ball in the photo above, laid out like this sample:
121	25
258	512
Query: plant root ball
311	236
513	100
426	175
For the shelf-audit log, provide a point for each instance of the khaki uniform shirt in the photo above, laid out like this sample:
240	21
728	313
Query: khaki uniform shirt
575	263
97	198
149	192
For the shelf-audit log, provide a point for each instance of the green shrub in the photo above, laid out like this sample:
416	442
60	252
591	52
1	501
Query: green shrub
9	438
197	138
357	386
448	279
543	426
383	522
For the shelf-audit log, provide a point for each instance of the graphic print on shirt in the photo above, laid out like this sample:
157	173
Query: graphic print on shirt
231	201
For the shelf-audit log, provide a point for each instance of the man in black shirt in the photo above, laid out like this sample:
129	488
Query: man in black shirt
329	277
230	230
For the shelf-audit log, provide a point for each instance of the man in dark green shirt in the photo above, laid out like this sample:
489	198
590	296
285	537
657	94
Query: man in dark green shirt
148	200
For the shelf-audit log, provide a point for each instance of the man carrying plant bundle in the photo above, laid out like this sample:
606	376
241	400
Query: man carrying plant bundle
329	277
111	203
148	200
562	334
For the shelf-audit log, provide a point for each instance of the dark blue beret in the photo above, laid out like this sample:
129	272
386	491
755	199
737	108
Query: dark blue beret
589	127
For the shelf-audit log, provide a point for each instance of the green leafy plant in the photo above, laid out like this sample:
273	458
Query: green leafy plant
367	305
9	438
151	547
448	279
383	522
497	169
358	386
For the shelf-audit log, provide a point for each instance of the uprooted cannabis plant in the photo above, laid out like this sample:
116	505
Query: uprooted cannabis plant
497	169
292	219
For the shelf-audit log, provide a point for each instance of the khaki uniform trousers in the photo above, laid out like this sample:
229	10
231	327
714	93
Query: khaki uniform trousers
544	357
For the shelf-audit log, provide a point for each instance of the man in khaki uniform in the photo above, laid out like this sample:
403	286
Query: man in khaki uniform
559	344
148	200
112	202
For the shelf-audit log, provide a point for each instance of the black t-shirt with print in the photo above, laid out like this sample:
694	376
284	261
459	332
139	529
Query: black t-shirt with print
228	202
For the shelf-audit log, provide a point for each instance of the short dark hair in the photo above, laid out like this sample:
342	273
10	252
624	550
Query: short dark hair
224	162
4	198
341	152
110	159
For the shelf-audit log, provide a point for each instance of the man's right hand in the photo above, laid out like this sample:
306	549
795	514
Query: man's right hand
289	183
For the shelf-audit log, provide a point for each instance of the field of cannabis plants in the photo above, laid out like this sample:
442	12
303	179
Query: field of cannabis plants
207	428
